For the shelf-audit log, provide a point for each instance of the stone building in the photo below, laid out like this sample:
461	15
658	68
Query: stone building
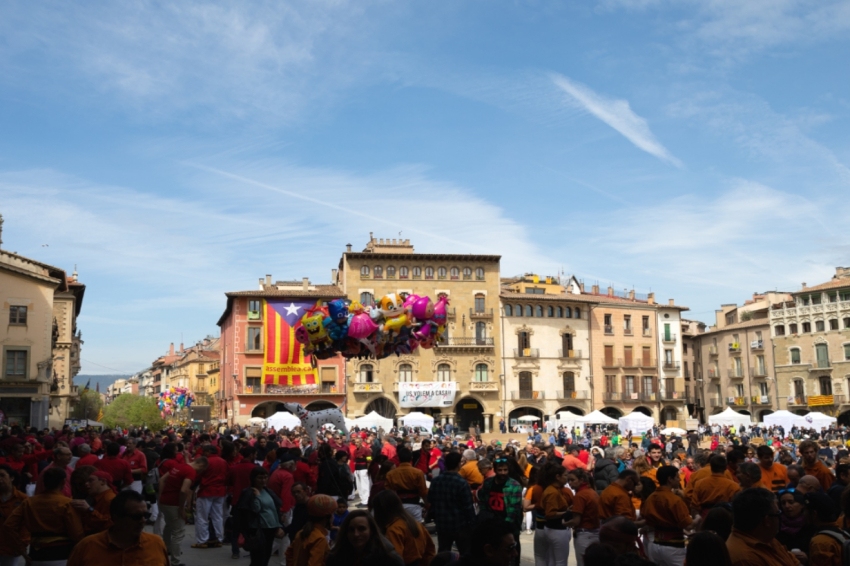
811	336
468	360
190	369
691	331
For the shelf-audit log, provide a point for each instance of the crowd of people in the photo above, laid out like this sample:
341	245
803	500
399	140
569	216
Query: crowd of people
713	497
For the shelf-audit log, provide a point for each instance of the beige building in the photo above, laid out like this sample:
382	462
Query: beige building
546	348
736	359
191	368
470	356
40	342
691	330
811	336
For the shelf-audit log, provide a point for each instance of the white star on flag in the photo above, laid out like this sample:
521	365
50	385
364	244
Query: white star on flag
292	309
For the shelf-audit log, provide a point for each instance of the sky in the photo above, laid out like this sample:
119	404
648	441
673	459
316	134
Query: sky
176	151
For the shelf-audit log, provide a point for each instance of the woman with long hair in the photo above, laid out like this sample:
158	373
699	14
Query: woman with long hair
555	504
359	543
585	519
795	526
330	481
380	483
310	546
706	548
409	537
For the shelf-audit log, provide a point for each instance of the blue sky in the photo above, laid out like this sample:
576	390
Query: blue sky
175	152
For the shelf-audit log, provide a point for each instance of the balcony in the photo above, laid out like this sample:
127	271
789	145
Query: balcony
254	315
528	395
798	400
647	332
570	354
736	374
645	396
609	329
671	366
610	363
713	374
712	350
674	396
628	362
717	402
483	386
368	387
465	342
628	331
451	312
736	401
480	314
526	353
757	345
612	396
758	372
669	338
648	364
281	390
572	394
734	348
760	399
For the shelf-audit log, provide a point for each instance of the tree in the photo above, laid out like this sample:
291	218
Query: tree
133	410
88	406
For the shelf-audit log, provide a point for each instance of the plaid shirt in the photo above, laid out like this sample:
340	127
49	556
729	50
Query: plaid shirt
512	497
451	502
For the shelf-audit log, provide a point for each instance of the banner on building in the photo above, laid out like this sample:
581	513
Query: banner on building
426	393
284	362
821	400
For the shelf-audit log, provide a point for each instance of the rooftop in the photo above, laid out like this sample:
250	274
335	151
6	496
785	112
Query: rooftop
840	280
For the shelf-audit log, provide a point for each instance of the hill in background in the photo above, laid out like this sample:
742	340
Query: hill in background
103	380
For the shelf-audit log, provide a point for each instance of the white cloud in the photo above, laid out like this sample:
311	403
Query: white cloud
617	114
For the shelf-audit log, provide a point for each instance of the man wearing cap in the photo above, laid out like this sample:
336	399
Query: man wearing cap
95	516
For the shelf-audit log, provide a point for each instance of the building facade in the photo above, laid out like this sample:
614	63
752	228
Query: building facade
546	348
811	339
691	330
241	392
469	357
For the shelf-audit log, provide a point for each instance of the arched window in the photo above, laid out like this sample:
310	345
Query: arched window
364	271
417	272
799	392
480	333
792	328
467	273
509	310
550	311
403	272
538	311
481	372
378	271
479	303
822	355
441	273
390	272
367	299
560	312
569	383
825	383
367	373
526	385
568	312
577	312
528	311
405	372
429	273
444	372
479	273
795	355
455	273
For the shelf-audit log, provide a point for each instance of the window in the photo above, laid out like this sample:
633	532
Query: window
608	328
441	273
825	383
367	299
405	372
255	338
795	355
760	367
390	272
480	332
833	298
847	323
467	273
847	351
367	373
668	357
627	323
378	271
684	348
799	389
528	311
429	273
807	327
444	372
538	311
609	355
417	272
567	344
646	357
254	306
479	303
628	356
822	355
509	310
737	367
792	328
568	313
550	312
526	385
403	273
805	301
816	299
535	291
17	315
253	385
644	324
523	341
779	330
739	390
833	324
610	383
578	313
559	312
479	273
364	271
455	273
16	363
481	372
569	381
629	385
819	326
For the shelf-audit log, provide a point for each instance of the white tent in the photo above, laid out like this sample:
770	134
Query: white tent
416	419
597	417
816	420
566	419
731	417
636	422
785	419
375	420
283	419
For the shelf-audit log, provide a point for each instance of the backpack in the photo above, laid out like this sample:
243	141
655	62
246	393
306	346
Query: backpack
842	537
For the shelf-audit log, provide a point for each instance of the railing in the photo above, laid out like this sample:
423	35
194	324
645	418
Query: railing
758	372
760	399
572	394
483	386
712	350
647	332
822	364
628	363
610	363
757	345
668	337
648	364
734	348
735	374
672	365
570	354
628	331
526	353
839	399
612	396
486	313
644	396
674	396
609	329
451	312
737	401
464	341
798	400
716	402
528	395
713	373
368	387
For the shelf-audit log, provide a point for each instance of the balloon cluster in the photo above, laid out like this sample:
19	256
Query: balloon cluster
397	324
173	399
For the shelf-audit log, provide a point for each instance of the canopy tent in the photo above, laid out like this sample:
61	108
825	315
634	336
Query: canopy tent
731	417
374	420
416	419
596	417
258	421
283	419
528	418
785	419
674	430
566	419
816	420
636	422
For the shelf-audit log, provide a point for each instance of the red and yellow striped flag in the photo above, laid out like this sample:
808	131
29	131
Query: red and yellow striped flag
284	362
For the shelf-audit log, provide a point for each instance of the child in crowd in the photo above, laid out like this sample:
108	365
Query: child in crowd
339	516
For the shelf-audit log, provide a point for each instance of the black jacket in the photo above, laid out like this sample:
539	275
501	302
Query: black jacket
604	473
246	519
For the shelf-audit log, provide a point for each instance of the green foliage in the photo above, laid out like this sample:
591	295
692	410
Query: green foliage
745	316
88	406
133	410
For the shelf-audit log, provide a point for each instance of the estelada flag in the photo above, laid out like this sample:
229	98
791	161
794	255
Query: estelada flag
284	362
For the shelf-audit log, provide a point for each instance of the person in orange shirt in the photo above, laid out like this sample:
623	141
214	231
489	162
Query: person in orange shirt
826	547
615	500
749	475
554	545
714	489
310	546
668	515
407	535
585	519
571	460
813	466
469	470
755	517
96	516
774	475
409	483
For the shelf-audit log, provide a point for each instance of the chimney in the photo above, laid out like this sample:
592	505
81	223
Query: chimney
268	279
181	347
804	284
334	273
171	349
348	247
650	298
261	283
632	295
610	291
581	287
595	289
671	302
305	284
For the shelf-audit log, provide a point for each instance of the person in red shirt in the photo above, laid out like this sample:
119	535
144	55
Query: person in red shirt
112	464
61	459
86	457
390	452
361	456
175	490
138	464
238	478
571	460
25	465
280	483
302	471
209	507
